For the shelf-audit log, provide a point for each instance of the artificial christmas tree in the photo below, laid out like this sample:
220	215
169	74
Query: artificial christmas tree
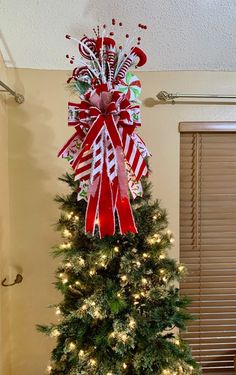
121	309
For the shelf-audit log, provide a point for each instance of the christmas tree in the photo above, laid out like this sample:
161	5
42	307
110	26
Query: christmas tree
121	310
120	301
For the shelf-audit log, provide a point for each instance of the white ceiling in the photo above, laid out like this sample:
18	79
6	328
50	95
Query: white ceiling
181	35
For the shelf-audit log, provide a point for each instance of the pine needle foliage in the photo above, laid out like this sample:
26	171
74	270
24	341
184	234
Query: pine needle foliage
121	310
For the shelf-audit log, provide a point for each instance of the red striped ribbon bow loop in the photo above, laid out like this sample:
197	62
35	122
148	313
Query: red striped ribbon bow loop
108	158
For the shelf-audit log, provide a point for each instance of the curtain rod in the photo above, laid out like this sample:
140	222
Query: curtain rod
18	97
164	96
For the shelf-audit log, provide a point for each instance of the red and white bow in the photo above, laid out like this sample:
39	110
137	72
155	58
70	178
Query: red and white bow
106	154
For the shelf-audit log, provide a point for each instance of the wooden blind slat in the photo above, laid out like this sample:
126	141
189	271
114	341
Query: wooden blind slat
208	241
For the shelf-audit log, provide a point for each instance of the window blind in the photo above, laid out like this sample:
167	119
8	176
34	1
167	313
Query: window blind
208	245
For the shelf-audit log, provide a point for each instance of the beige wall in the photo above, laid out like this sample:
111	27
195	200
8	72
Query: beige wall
37	129
5	346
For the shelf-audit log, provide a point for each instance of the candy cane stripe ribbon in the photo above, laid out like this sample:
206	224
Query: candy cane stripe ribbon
98	152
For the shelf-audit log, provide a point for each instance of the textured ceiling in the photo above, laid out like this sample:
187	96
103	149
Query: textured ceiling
181	35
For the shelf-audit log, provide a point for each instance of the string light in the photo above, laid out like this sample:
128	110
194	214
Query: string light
109	373
162	271
58	311
81	353
92	272
132	323
67	233
138	263
72	346
84	307
176	342
168	231
65	280
162	256
69	215
118	294
145	255
68	265
181	268
124	366
154	217
77	283
92	362
124	278
49	369
81	261
55	333
172	240
144	281
76	218
116	249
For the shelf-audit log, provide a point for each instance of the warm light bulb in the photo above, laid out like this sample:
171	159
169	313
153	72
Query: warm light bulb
49	369
144	281
72	346
136	296
97	221
138	263
124	366
124	337
76	218
104	256
65	280
63	246
172	240
119	294
55	333
124	278
109	373
132	323
168	231
77	283
162	256
92	362
177	342
162	271
116	249
145	255
154	217
58	311
84	307
67	233
181	268
81	353
92	272
93	303
68	265
151	241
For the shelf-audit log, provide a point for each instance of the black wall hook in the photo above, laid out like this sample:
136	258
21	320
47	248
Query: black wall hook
18	280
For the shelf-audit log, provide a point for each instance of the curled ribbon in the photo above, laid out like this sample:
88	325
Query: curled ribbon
107	154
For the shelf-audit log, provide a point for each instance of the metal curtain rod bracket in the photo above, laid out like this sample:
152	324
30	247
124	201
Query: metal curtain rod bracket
18	97
164	96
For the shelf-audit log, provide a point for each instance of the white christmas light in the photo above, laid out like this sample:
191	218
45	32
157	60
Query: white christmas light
76	218
92	362
181	268
55	333
116	249
49	369
81	353
162	256
65	280
58	311
124	278
67	233
124	366
72	346
172	240
68	265
144	281
92	272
